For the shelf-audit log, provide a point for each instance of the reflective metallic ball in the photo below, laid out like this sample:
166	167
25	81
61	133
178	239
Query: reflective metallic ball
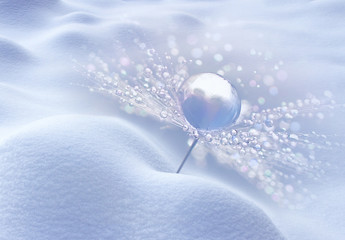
209	101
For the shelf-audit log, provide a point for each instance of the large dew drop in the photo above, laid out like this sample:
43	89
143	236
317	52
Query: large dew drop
209	101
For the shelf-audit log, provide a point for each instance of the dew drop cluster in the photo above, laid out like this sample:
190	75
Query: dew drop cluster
265	145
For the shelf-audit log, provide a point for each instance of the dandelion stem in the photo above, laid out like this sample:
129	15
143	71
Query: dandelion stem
188	153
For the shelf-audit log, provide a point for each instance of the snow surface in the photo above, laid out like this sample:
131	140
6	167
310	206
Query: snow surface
68	172
58	182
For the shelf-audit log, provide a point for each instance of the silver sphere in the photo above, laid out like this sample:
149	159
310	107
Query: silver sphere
209	101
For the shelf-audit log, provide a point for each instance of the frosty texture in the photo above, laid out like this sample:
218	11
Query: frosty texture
112	185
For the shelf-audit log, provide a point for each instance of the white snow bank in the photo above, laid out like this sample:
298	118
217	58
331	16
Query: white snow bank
77	177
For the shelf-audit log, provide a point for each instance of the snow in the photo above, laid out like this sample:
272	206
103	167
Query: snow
72	166
58	182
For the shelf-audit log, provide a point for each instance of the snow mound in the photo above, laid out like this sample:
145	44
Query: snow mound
80	177
79	17
12	53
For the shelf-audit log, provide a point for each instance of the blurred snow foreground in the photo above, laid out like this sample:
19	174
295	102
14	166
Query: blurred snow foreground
112	183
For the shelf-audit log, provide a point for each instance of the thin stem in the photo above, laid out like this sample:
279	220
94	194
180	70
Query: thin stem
188	153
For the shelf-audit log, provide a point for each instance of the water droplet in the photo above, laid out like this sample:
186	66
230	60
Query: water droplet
139	100
196	134
164	114
235	140
119	92
166	75
209	101
289	188
218	57
224	141
268	173
148	72
293	136
151	52
208	137
288	116
269	123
